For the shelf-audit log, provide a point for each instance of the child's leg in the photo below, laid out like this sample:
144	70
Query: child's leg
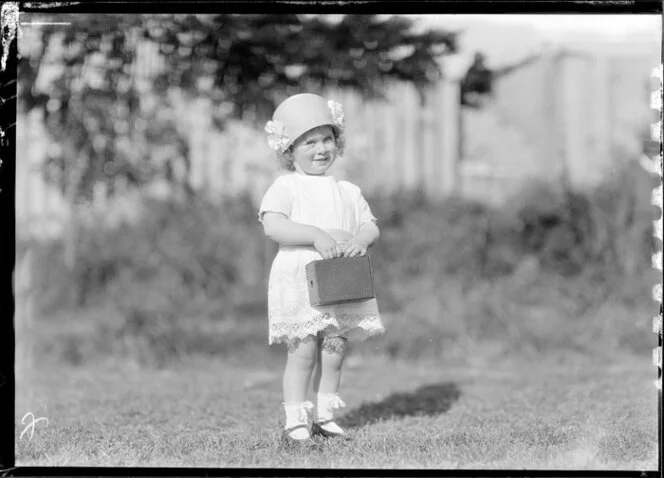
331	356
300	363
318	369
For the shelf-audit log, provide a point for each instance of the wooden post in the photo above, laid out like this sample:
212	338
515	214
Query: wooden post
450	107
602	110
551	146
356	126
392	142
408	137
429	139
381	137
372	156
35	163
573	127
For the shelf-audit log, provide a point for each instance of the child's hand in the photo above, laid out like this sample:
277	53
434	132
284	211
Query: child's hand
327	246
355	247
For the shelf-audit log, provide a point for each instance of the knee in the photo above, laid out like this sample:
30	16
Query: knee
334	345
303	355
306	362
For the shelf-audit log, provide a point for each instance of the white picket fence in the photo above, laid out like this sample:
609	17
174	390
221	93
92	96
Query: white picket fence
563	117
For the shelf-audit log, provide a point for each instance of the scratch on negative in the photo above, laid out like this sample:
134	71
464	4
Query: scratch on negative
655	167
47	5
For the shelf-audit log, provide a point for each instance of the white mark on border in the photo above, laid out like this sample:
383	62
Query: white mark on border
654	166
9	23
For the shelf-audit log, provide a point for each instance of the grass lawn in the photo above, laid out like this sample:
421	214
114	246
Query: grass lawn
199	413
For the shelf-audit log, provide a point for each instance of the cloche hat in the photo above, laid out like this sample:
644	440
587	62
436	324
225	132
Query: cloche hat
300	113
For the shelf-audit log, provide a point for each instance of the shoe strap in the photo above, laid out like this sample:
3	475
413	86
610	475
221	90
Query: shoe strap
296	427
325	422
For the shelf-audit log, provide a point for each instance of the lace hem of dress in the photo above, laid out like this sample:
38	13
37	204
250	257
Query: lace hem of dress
355	327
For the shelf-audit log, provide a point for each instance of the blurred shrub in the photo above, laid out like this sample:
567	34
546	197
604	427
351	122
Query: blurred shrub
144	335
156	338
532	274
609	227
179	255
455	240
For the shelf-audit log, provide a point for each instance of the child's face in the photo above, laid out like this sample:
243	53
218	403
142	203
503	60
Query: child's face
315	151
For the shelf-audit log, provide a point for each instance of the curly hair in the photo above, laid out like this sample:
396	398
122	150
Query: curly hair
285	161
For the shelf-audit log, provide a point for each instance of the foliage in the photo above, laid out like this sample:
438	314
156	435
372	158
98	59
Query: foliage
110	116
81	81
609	227
552	271
253	59
179	255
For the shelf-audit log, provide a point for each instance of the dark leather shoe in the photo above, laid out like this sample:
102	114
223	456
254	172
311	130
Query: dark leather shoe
317	429
288	441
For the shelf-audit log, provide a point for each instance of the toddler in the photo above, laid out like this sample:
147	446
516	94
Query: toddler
312	216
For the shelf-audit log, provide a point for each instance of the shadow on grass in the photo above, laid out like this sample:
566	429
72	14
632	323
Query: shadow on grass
427	400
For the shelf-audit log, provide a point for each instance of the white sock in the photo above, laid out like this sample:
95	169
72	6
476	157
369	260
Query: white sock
297	413
326	404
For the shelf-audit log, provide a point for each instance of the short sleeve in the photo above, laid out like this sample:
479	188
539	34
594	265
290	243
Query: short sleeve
278	198
365	211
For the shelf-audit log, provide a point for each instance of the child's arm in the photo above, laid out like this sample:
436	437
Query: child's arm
360	242
289	233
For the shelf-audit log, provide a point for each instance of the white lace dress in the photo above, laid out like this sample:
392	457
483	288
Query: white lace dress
324	202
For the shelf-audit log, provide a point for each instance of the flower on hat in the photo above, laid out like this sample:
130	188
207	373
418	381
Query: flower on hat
337	111
276	136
